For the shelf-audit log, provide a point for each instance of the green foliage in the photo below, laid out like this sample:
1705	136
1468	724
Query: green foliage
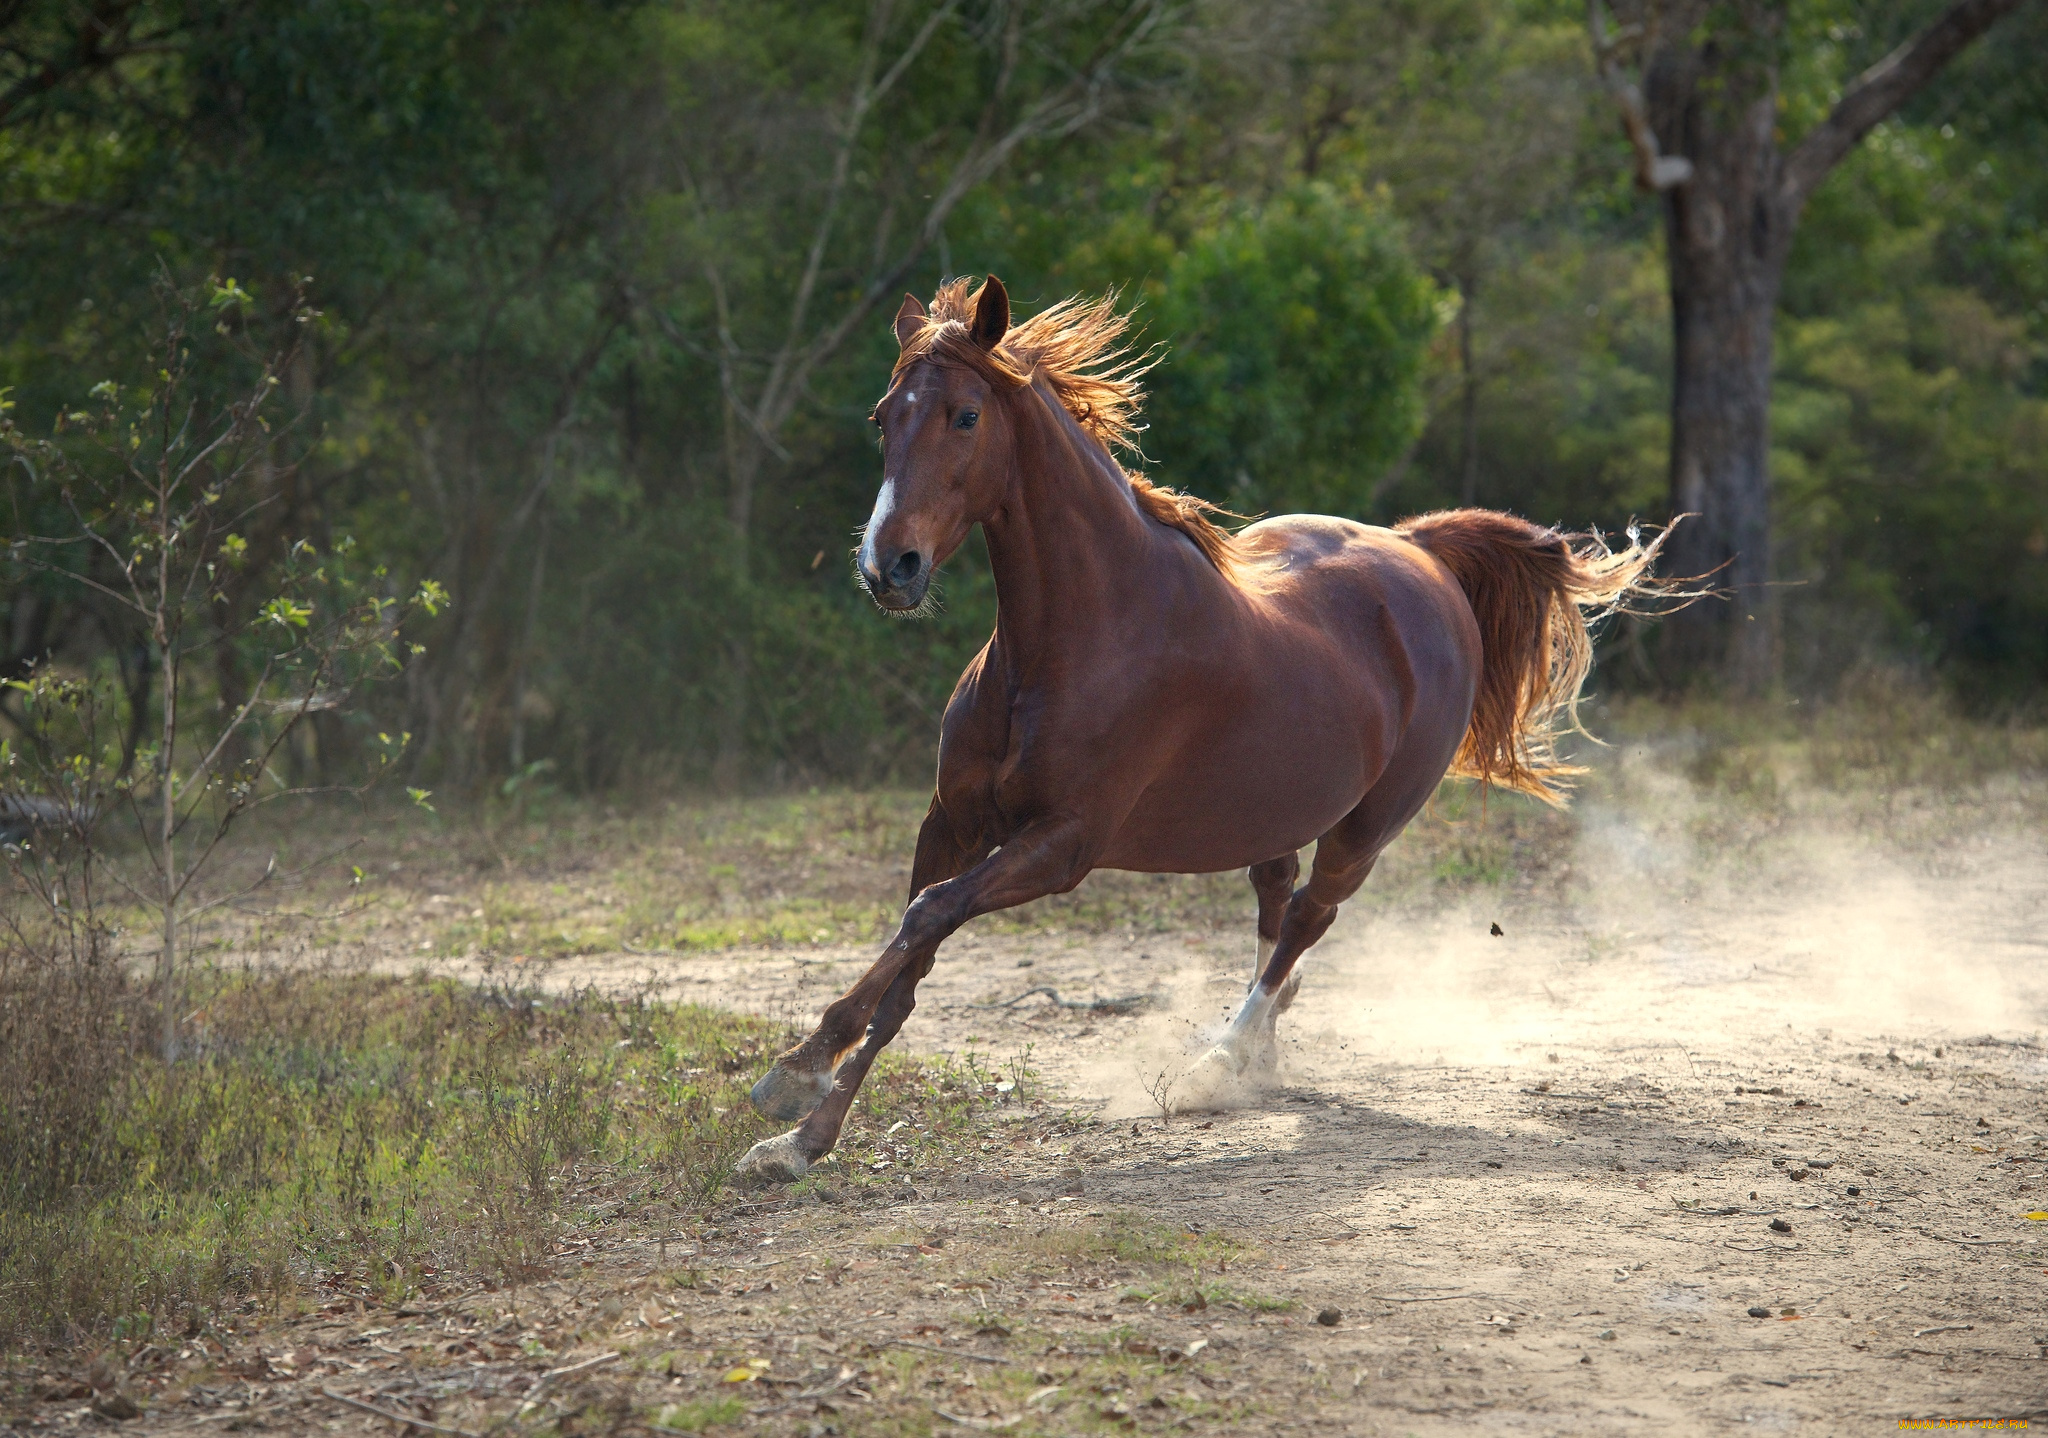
1911	423
563	255
145	490
1296	331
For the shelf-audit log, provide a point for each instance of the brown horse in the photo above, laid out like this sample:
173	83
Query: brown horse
1160	695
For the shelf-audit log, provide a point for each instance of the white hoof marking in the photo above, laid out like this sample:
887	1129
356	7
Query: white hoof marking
1214	1082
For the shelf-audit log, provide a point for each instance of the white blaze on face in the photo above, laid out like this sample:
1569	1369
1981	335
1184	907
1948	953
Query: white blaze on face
885	505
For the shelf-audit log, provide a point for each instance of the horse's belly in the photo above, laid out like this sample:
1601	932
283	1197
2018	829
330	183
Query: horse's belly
1245	803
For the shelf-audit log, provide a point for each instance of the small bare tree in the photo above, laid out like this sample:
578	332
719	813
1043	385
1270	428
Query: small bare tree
152	483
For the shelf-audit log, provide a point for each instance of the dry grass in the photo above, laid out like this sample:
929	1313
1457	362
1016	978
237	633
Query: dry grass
342	1135
375	1138
782	873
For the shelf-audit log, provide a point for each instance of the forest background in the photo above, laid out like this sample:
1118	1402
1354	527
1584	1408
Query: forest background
603	293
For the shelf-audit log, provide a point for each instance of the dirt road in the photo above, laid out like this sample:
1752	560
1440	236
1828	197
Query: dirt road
1727	1131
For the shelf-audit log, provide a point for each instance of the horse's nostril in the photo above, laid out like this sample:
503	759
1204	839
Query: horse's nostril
905	569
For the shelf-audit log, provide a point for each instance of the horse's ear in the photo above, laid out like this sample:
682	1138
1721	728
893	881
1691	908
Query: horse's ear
909	320
991	315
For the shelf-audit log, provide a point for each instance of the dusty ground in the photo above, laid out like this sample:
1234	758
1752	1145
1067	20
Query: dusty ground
1733	1129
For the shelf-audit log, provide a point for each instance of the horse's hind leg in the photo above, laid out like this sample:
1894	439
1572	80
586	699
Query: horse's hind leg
1250	1044
1273	882
1344	857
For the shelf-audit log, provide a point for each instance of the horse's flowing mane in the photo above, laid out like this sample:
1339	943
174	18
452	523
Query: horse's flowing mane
1075	347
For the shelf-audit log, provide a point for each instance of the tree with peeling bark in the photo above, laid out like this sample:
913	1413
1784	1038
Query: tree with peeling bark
1698	87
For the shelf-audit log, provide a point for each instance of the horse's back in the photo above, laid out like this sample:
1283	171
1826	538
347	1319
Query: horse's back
1342	650
1364	586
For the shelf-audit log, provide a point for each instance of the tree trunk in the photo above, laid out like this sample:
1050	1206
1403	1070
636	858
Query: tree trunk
1727	233
167	956
744	459
1704	127
1469	399
526	647
1723	300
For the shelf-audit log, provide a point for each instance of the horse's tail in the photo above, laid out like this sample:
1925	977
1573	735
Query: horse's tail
1534	591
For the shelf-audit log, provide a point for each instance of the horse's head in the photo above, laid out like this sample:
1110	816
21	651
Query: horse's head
945	449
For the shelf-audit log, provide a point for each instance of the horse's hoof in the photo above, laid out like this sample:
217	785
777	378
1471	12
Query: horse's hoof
1214	1081
1262	1064
788	1095
775	1160
1222	1059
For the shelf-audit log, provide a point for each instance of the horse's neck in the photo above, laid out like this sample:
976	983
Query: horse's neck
1068	546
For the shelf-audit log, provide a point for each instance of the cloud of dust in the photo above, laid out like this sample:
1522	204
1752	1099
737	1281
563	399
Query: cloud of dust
1689	926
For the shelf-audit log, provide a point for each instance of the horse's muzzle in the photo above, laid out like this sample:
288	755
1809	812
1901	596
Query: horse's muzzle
899	586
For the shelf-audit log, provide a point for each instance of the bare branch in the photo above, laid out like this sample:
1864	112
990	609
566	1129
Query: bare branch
228	730
911	51
1654	170
1059	113
728	351
272	874
103	41
1882	89
43	566
865	94
224	820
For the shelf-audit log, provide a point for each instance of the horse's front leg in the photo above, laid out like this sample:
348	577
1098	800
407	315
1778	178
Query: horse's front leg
799	1082
786	1157
809	1079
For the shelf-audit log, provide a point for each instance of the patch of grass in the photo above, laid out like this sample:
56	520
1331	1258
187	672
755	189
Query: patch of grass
695	1416
1133	1238
1884	732
1196	1296
1064	1375
558	876
349	1136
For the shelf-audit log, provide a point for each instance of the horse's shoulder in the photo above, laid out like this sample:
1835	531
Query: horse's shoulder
974	738
980	702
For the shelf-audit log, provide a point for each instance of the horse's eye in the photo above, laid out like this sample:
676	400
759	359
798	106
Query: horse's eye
967	419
